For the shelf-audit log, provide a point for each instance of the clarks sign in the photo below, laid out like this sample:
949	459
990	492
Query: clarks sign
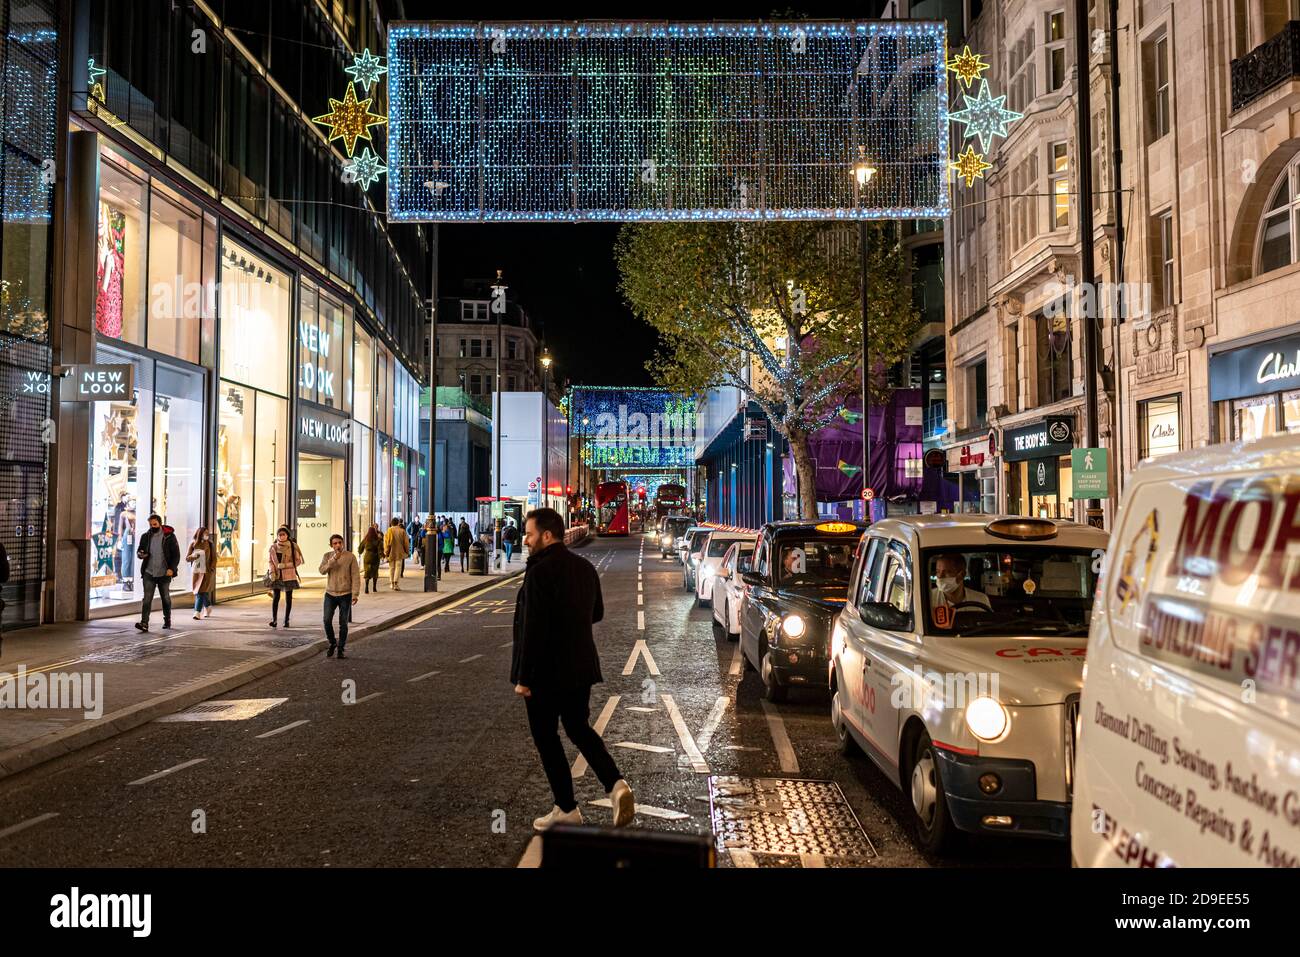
1272	366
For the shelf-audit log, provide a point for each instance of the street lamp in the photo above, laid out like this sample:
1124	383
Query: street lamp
863	172
546	426
498	308
584	467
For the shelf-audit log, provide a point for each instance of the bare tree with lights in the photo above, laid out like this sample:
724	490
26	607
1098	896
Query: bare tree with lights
773	310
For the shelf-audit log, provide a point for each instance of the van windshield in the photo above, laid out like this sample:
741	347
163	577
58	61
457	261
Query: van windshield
1019	590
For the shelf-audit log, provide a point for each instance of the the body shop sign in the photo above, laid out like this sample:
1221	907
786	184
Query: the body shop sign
98	383
1050	438
1272	366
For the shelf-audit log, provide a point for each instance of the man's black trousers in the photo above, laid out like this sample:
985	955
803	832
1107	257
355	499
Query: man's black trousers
547	710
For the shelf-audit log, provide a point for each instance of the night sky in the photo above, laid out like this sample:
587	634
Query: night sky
563	274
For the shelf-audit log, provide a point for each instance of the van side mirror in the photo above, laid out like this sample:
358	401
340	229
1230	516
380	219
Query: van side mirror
753	578
882	615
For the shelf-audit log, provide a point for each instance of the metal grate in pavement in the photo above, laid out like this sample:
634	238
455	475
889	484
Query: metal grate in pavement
289	641
124	654
239	709
786	822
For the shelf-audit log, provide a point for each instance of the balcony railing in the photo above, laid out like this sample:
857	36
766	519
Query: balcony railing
1273	61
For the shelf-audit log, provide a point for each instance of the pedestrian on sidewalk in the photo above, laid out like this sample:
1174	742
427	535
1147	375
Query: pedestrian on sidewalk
464	539
202	557
372	544
448	545
342	588
160	557
283	560
397	545
555	663
509	536
414	532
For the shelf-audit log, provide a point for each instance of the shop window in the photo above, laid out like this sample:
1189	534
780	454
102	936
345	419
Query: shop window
120	256
252	451
323	350
179	441
362	477
1159	427
363	373
178	295
120	472
255	309
1254	418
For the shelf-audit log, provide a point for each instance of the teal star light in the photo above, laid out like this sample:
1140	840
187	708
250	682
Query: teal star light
95	71
985	116
365	69
365	168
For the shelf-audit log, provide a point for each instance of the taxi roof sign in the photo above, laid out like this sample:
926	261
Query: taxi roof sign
1023	529
836	527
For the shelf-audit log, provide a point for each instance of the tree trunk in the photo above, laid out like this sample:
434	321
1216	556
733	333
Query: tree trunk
806	471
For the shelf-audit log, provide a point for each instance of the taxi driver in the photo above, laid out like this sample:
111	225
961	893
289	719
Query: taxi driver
793	561
950	587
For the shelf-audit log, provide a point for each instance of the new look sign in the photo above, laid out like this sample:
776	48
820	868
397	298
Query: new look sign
98	383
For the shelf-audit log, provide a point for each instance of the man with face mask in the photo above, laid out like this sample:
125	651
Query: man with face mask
951	590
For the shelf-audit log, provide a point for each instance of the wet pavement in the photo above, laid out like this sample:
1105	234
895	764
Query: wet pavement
415	752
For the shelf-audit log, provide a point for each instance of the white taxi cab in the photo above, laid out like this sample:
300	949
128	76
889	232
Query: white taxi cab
956	666
1189	745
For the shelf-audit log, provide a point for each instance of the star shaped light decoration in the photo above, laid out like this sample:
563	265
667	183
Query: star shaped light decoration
95	71
366	69
968	66
350	119
365	167
985	116
970	165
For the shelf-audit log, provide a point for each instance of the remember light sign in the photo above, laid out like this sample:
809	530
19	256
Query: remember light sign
97	383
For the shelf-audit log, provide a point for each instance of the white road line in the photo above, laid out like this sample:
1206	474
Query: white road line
162	774
638	583
455	604
711	725
465	661
30	822
647	809
636	707
288	727
652	748
641	648
373	694
698	763
784	750
640	598
505	644
580	763
640	621
427	674
735	661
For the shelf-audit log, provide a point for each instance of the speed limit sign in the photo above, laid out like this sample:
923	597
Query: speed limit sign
868	494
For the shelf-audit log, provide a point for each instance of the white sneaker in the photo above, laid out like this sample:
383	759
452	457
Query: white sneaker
557	817
623	802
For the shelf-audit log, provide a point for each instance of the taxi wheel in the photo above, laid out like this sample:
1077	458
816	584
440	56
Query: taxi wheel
848	747
776	693
934	828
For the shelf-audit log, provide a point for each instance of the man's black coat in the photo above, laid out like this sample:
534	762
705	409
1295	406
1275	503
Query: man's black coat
171	548
558	603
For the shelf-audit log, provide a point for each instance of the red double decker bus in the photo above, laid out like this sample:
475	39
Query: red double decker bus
611	508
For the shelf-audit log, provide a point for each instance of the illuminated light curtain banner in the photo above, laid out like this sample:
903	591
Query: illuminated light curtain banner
666	121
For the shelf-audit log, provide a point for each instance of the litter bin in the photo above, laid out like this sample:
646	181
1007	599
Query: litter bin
477	559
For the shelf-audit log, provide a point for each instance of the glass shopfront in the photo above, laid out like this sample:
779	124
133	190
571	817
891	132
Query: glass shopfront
1039	479
1255	389
253	412
320	503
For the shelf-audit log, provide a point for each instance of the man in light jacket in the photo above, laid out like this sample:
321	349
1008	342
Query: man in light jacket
397	545
342	588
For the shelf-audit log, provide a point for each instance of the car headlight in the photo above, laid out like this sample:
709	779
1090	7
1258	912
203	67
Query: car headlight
794	626
987	718
667	540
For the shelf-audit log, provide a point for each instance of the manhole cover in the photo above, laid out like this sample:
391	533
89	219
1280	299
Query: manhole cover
119	654
287	642
237	710
784	822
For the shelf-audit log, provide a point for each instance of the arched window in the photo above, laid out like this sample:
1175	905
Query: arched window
1279	238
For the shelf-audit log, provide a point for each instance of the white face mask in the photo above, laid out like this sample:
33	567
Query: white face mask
949	586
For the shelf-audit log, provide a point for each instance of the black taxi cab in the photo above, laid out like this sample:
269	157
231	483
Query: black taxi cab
794	591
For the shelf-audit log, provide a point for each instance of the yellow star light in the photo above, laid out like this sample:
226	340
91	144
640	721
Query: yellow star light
968	66
350	119
970	165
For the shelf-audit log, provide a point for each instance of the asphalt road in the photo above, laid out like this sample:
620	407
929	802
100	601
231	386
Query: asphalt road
433	765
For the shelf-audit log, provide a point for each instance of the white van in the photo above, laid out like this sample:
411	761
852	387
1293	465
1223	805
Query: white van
1189	739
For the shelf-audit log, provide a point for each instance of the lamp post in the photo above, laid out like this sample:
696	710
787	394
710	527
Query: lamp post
584	467
499	309
432	568
546	426
863	171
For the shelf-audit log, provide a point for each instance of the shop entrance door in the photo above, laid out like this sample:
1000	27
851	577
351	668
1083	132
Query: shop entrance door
320	504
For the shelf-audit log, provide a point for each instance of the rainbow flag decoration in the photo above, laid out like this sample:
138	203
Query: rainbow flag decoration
847	469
